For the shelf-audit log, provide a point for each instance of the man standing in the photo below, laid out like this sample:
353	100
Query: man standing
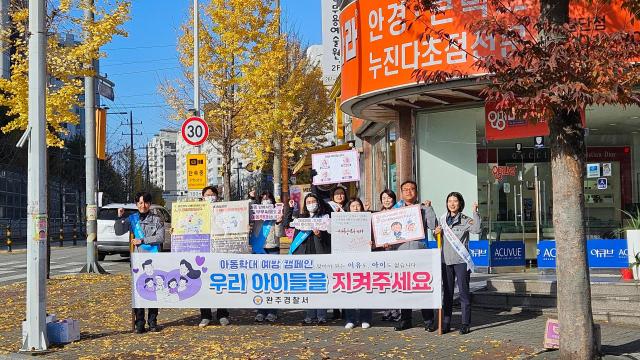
410	197
147	233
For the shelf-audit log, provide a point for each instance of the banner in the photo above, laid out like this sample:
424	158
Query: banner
601	253
266	212
230	217
336	167
398	225
350	232
507	253
330	41
237	244
308	224
381	280
479	250
191	222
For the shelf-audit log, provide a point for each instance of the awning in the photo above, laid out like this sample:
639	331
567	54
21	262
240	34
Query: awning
305	162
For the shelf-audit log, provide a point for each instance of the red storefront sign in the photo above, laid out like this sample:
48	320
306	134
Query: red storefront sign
500	125
499	172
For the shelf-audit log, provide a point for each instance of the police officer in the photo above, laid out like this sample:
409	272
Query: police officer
147	237
456	260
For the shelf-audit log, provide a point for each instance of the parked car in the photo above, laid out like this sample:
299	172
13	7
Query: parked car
109	243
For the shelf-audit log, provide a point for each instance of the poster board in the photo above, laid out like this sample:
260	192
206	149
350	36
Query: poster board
350	232
336	167
398	225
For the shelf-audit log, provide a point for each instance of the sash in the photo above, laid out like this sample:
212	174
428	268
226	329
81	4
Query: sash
456	244
299	239
138	233
258	240
399	204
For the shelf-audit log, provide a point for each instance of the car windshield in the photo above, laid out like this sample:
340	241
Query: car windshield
112	214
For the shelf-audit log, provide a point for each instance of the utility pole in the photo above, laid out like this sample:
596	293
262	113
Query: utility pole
147	176
35	339
5	63
196	59
277	140
132	156
91	160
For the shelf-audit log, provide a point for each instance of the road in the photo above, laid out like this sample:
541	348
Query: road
66	260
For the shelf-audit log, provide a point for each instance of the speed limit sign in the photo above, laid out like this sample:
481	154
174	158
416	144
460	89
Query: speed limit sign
195	131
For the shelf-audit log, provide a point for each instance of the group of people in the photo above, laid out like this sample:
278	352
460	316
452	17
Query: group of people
454	228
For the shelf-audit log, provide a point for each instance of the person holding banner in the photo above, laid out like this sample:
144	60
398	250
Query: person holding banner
312	242
265	239
338	200
410	197
210	193
457	264
366	315
147	233
388	201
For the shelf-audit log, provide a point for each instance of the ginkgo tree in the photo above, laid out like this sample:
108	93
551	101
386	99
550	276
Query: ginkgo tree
556	69
66	62
235	37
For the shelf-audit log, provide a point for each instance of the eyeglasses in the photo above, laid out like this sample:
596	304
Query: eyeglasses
412	189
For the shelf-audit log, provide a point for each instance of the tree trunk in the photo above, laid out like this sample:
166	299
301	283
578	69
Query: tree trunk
277	168
285	179
226	176
574	288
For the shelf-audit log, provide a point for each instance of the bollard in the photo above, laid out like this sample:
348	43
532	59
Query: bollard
75	235
9	242
61	236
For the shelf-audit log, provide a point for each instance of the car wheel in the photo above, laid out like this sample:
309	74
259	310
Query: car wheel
101	256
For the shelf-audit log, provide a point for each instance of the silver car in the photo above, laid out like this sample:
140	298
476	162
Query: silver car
109	243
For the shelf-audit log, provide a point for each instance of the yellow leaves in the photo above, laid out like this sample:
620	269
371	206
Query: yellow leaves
65	64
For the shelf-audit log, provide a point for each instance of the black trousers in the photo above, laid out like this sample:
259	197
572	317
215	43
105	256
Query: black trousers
462	277
407	315
152	320
220	313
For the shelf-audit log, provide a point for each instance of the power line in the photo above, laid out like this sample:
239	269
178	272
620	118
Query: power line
139	47
150	70
136	62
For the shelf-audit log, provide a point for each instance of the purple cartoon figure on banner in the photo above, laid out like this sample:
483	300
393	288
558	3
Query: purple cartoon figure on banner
173	285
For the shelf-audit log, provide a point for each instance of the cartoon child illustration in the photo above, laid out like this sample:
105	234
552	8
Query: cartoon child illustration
396	227
147	267
161	292
173	290
148	284
411	226
187	270
159	282
182	284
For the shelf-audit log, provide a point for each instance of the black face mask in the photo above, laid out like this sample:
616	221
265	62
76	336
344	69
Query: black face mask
143	216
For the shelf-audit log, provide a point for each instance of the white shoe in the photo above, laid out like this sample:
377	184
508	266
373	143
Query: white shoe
349	325
259	317
271	317
204	322
366	325
224	321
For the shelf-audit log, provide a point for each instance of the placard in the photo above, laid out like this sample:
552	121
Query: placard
382	280
336	167
266	212
231	244
230	218
193	217
552	334
350	232
308	224
398	225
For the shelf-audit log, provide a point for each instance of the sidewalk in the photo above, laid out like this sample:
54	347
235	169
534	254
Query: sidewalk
102	304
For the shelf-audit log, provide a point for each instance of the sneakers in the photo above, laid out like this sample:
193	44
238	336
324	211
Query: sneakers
430	326
224	321
259	317
322	321
154	328
139	329
204	322
271	317
366	325
307	321
464	329
349	325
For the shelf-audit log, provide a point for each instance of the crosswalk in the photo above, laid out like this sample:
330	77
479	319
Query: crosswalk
13	267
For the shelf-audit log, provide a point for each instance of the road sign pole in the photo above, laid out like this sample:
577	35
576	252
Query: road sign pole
36	330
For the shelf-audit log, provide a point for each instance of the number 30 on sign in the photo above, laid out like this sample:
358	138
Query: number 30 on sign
195	131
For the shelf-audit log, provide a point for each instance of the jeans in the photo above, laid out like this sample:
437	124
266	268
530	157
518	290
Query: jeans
365	315
152	319
320	314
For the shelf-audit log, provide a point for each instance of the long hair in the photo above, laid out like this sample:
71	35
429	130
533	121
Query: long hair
390	194
191	274
458	196
269	196
355	200
344	191
321	207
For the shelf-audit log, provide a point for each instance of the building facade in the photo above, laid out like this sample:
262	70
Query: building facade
162	160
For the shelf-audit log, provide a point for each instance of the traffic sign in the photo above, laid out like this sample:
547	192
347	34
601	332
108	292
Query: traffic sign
196	171
195	131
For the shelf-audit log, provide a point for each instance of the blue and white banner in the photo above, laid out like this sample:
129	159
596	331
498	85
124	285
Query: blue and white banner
382	280
507	253
601	253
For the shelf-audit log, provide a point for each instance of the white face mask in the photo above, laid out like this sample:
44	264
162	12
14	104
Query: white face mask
312	208
266	202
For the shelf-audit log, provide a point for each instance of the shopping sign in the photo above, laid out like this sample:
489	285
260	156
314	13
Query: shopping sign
195	131
196	171
601	253
382	280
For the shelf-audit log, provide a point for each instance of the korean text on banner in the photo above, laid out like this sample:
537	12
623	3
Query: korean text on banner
336	167
382	280
398	225
191	222
266	212
350	232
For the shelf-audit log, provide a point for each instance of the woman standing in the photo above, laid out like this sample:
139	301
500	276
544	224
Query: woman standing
456	260
265	239
338	200
312	242
355	205
388	200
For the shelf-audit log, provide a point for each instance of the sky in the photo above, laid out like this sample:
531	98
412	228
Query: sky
139	63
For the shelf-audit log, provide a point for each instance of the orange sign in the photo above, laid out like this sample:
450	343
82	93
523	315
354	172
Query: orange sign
381	51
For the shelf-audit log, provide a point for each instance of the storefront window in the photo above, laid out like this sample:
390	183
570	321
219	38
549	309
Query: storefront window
391	151
380	166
